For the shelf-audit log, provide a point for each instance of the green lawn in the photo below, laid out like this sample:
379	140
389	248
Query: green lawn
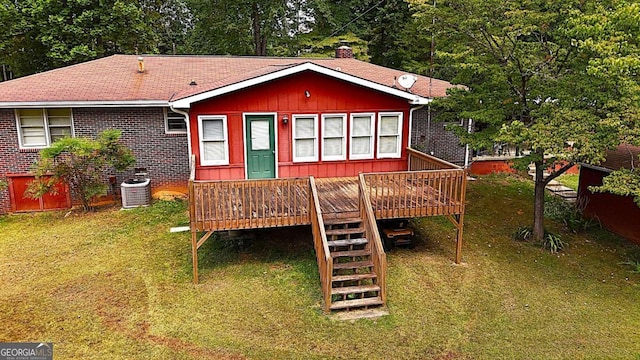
569	180
117	285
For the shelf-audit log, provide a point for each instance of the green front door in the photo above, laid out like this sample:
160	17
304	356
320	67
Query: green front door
261	147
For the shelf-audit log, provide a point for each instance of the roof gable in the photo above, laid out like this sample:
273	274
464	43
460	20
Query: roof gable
185	100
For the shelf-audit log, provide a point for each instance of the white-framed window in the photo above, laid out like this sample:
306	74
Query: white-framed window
39	128
361	136
174	123
334	137
389	135
305	138
214	140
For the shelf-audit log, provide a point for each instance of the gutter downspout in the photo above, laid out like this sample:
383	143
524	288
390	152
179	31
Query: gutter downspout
411	119
186	119
467	150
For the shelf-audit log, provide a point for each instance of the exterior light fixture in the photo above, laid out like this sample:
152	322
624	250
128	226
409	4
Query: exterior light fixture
307	94
285	119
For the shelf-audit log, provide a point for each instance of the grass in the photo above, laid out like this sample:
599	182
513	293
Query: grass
116	284
569	180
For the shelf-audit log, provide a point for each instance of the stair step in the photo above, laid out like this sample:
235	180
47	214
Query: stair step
358	230
347	242
353	277
337	221
353	265
345	304
354	289
351	253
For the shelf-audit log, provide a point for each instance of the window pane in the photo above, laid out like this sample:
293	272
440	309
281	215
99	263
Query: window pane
59	121
305	128
388	144
361	126
333	127
389	125
31	117
305	148
361	146
176	125
212	130
59	133
175	122
260	135
332	147
213	150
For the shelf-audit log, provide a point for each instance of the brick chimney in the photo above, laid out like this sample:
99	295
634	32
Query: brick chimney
344	52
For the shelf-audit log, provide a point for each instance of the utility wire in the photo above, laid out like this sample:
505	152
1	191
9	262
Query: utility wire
349	23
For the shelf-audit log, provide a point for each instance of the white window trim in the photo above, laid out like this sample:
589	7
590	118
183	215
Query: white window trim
225	132
371	137
344	138
398	151
313	158
46	128
166	124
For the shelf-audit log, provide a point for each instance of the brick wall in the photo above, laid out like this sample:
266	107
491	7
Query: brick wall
164	155
432	138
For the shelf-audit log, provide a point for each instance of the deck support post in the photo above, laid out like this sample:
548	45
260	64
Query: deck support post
194	255
195	245
458	221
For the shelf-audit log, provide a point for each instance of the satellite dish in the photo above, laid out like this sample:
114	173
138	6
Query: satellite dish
407	80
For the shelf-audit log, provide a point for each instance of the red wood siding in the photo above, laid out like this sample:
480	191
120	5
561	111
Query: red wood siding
19	202
618	214
287	97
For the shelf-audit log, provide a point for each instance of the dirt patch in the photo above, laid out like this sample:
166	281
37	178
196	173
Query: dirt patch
118	298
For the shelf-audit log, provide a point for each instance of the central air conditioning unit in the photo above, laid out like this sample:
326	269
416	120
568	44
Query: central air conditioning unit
136	192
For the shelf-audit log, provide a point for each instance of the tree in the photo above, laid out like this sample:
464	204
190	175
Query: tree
611	34
265	27
527	83
40	35
80	163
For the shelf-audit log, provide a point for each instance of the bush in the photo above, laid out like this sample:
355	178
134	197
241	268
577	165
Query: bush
568	214
80	163
553	242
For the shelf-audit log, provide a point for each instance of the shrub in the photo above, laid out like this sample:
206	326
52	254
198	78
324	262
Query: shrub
80	163
553	242
568	214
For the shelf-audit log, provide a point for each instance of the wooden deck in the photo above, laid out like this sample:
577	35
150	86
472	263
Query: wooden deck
430	187
394	195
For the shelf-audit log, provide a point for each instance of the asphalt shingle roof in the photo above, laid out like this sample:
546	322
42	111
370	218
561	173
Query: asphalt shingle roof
116	78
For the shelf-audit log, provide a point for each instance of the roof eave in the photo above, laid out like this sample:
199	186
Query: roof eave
185	103
105	103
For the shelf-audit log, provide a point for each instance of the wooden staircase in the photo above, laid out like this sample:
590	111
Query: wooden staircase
351	260
354	284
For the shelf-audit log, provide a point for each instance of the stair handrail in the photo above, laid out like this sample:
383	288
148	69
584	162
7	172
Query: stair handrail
325	261
378	256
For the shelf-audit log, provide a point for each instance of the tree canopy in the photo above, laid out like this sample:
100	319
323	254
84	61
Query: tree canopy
533	78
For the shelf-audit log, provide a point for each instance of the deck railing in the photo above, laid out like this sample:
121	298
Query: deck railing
421	161
378	256
248	204
325	261
416	193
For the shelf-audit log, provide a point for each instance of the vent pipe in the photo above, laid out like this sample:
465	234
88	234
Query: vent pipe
140	64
